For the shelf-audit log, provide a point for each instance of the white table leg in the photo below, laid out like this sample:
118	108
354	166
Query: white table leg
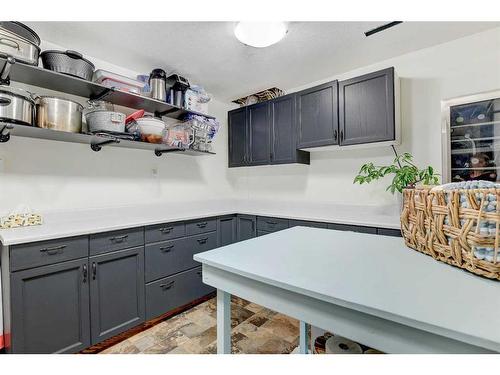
304	335
223	322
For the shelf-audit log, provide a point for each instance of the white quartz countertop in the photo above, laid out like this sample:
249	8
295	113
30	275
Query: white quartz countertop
87	221
377	275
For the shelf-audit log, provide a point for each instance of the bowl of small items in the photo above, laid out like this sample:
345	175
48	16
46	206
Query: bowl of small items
456	223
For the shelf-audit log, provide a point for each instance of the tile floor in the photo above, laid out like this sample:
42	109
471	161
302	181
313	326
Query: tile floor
256	330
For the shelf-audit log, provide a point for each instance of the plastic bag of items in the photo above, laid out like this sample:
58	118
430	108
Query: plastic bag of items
22	216
204	131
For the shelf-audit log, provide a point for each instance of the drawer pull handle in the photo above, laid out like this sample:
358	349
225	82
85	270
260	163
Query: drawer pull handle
202	241
166	229
167	286
119	239
53	250
166	249
202	225
271	222
94	270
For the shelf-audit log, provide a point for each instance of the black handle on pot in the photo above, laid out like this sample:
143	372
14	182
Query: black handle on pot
5	101
74	54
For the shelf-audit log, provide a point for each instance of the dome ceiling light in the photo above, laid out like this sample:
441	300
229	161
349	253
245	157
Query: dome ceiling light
260	34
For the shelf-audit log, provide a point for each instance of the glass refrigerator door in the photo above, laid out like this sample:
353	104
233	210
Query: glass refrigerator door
475	141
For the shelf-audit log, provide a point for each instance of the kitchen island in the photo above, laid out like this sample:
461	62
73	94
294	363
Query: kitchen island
369	288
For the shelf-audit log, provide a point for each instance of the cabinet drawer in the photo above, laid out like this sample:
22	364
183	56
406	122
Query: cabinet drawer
200	226
164	232
171	292
271	224
48	252
170	257
353	228
389	232
306	223
121	239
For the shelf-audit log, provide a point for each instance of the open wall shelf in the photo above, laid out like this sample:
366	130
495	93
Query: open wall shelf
96	142
36	76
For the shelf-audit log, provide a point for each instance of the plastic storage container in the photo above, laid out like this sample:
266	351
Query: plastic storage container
118	81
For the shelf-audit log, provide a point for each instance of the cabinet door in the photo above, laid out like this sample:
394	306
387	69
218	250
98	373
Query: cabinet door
246	227
238	138
260	134
50	308
317	116
116	292
283	132
366	108
226	230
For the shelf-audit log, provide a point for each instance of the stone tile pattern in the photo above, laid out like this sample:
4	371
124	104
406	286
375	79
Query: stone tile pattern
255	330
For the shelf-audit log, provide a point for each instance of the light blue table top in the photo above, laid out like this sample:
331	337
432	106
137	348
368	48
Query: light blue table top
374	274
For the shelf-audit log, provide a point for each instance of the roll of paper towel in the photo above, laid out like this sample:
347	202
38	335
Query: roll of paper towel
341	345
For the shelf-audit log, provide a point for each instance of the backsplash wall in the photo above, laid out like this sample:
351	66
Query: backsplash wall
48	175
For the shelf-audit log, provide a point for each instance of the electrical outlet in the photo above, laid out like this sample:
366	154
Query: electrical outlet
155	173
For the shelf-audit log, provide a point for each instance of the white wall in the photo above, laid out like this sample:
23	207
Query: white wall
51	175
465	66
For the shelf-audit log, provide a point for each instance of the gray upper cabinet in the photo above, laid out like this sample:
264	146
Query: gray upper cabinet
317	116
238	138
366	108
117	292
265	133
283	132
246	227
50	308
226	230
260	134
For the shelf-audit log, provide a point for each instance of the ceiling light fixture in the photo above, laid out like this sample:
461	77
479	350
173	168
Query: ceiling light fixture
260	34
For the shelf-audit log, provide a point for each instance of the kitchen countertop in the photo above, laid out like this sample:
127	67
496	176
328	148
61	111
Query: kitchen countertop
384	279
58	224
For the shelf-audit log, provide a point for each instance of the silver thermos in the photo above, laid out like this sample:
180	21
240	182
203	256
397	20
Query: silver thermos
158	84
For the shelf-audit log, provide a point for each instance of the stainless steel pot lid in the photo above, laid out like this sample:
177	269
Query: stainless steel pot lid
21	30
17	92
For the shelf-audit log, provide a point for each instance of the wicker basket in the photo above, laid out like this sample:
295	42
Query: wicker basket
436	222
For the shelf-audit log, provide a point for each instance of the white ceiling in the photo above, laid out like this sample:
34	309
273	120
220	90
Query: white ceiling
207	53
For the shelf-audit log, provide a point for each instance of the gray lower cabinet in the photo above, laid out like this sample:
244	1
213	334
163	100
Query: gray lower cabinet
246	226
174	291
366	108
306	223
262	233
353	228
50	308
317	116
170	257
389	232
226	230
117	292
271	224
